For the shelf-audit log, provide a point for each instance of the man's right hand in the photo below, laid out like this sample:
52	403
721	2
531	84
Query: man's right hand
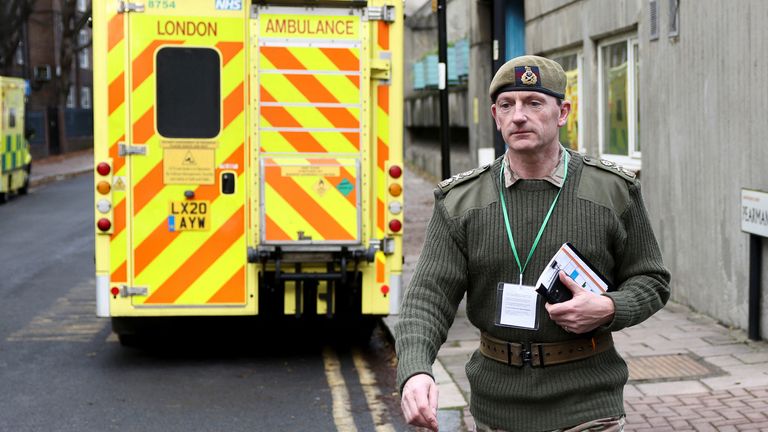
419	401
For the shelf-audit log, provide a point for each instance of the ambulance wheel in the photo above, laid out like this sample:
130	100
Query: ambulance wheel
24	189
3	197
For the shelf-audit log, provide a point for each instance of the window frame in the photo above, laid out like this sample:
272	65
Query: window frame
633	157
580	93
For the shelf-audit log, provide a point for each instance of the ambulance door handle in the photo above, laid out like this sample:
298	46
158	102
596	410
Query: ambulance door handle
227	183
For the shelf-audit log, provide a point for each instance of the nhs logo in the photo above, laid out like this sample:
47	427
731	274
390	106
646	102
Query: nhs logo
230	5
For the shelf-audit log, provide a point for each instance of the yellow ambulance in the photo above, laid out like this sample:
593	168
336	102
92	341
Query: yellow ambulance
248	161
15	159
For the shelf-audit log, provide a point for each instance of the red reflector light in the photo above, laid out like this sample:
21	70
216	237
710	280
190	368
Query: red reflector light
385	289
395	225
104	224
103	168
395	171
115	291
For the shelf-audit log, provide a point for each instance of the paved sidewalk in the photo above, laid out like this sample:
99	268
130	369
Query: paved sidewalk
58	167
687	372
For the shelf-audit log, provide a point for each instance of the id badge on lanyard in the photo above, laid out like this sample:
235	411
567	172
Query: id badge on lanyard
517	305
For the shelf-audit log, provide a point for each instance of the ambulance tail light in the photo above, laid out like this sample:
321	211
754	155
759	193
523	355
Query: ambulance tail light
395	171
395	225
103	187
103	168
395	189
104	173
394	198
104	224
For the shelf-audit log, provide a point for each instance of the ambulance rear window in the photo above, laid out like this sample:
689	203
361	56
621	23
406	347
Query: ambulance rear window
188	92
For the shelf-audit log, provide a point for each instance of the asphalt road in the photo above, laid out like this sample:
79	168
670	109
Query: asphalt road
61	368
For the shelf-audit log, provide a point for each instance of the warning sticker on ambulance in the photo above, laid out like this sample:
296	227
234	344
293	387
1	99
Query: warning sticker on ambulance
189	215
310	170
189	162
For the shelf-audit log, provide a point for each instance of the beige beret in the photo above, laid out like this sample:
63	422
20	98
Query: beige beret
529	73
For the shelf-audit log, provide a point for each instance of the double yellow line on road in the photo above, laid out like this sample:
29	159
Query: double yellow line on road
342	412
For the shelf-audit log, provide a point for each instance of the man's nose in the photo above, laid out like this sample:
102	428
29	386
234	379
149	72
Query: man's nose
518	114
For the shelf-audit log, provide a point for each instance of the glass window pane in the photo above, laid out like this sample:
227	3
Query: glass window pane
569	134
188	92
614	67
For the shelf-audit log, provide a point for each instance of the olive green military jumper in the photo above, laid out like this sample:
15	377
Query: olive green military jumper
601	212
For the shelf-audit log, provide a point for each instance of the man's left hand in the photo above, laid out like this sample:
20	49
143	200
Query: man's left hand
584	312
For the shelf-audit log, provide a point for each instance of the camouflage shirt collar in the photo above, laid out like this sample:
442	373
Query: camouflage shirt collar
555	177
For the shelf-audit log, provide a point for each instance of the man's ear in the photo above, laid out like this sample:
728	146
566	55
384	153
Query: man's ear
565	109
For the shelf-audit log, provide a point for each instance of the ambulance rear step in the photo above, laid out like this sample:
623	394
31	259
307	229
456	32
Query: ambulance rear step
335	258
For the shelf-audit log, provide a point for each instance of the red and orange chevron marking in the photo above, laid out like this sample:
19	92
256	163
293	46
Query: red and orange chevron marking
309	99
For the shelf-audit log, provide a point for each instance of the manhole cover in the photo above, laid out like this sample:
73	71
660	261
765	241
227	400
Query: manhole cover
668	367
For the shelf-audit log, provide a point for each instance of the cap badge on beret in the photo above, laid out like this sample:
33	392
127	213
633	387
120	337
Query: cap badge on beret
527	75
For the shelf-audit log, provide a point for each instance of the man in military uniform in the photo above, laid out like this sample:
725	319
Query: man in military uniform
540	366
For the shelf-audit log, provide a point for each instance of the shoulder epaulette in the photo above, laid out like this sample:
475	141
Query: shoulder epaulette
611	167
452	181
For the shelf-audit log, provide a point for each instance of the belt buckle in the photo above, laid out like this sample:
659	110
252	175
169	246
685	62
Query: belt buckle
526	356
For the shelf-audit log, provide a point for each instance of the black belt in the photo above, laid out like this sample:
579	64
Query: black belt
543	354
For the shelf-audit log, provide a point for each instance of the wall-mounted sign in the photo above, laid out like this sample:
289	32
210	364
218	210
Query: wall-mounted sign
754	212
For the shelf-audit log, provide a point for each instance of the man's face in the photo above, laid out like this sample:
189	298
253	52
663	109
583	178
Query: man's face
529	121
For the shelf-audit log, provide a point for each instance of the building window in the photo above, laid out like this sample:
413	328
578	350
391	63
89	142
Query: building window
82	5
84	55
569	134
71	97
619	101
85	97
20	54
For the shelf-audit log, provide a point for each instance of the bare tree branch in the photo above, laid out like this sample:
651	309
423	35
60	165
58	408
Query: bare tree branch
13	14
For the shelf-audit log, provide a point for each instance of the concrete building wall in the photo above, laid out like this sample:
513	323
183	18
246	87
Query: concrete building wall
702	104
704	118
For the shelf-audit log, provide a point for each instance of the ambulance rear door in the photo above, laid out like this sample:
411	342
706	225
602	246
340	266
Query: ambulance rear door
186	155
309	77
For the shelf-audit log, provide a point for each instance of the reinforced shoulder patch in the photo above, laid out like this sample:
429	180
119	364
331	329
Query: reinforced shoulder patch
612	167
456	179
605	183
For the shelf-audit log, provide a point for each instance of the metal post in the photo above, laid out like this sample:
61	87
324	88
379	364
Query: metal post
755	273
442	55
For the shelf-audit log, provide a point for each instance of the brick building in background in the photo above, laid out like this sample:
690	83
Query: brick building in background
62	120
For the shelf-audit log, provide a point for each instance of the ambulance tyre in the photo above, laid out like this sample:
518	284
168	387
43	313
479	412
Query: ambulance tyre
3	197
25	188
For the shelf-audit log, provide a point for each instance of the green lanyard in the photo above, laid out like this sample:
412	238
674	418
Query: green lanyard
543	224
